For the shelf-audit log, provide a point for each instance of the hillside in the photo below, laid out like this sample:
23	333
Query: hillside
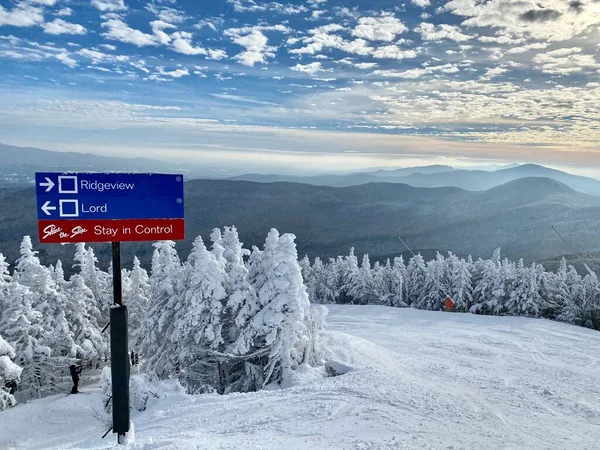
20	163
419	379
441	176
328	221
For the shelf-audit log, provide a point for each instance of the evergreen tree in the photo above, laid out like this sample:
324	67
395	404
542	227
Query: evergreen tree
415	282
9	372
197	323
136	292
361	286
277	336
82	316
158	326
398	275
97	280
460	288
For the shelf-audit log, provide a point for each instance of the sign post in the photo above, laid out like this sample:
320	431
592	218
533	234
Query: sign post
111	207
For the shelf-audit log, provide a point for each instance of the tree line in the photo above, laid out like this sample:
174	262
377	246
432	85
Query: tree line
494	286
225	319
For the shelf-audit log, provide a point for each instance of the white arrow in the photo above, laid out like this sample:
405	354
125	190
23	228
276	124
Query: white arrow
49	184
47	208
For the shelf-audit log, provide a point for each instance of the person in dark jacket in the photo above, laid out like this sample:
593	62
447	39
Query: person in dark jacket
11	386
75	371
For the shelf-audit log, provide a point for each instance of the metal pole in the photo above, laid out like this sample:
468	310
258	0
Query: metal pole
117	283
119	352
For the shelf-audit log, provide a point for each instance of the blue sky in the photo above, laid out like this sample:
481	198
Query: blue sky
305	84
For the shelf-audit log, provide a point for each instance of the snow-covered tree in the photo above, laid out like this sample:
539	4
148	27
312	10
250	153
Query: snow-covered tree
277	335
97	280
415	282
9	372
198	320
361	284
237	286
82	317
158	326
460	289
136	292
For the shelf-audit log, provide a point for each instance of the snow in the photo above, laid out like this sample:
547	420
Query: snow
415	379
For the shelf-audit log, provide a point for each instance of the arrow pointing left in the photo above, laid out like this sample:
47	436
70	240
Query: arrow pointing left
49	184
47	208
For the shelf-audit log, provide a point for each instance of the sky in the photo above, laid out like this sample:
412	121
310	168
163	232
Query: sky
306	85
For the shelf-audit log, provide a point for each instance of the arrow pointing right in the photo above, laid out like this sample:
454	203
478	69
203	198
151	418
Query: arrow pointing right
49	184
47	208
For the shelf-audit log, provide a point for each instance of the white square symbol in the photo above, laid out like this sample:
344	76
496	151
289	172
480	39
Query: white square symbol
72	208
70	184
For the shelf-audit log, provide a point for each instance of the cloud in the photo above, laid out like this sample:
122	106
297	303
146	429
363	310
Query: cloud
318	39
417	72
109	5
64	12
310	69
44	2
59	26
158	27
540	15
421	3
120	31
214	23
166	14
384	28
255	42
431	32
518	18
565	61
528	47
244	6
393	52
216	54
177	73
22	15
182	43
365	65
494	72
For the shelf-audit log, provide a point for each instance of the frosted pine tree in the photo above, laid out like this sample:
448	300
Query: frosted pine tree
236	283
305	268
398	288
136	294
555	291
584	308
277	335
317	286
361	286
197	323
415	282
9	373
25	332
82	315
5	282
158	326
95	279
461	289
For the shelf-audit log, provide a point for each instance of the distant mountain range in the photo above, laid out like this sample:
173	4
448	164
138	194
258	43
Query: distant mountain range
516	216
20	163
439	176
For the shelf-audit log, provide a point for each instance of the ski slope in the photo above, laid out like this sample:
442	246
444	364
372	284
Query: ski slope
420	380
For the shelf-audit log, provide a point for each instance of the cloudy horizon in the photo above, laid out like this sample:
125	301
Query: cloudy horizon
309	85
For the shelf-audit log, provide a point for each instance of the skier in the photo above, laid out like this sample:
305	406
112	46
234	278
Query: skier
11	386
75	371
132	358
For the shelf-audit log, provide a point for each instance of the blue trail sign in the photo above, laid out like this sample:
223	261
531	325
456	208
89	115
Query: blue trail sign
101	207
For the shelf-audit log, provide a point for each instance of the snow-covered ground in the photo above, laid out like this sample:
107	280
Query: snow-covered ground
422	380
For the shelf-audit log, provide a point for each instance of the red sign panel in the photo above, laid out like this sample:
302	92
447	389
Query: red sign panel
118	230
